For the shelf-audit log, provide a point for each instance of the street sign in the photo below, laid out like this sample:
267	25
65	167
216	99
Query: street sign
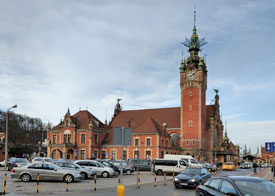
269	146
107	155
120	132
75	152
271	156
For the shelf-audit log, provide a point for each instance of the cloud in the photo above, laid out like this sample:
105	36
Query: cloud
86	54
252	134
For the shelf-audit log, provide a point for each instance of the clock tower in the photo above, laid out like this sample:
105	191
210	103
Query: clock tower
193	85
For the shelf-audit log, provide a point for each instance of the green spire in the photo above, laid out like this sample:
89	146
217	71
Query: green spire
194	41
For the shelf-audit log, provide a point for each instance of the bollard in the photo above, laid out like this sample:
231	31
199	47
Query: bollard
37	183
120	190
67	184
119	179
155	183
173	176
5	183
95	183
164	178
139	180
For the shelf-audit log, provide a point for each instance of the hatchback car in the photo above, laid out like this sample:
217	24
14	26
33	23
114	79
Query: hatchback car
99	168
46	171
228	166
191	177
141	164
236	185
84	172
17	162
108	164
127	168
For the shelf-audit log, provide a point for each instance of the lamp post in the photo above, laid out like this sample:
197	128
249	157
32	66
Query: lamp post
6	135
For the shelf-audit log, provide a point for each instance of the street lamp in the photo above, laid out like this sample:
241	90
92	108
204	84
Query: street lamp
6	135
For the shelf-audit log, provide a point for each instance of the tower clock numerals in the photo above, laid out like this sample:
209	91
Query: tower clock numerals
191	75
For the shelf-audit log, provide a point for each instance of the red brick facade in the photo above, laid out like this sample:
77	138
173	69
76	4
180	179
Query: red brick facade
193	128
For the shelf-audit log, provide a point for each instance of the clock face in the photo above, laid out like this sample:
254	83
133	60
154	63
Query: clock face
191	75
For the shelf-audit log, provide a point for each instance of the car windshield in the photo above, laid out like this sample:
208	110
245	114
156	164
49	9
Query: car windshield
228	163
193	171
22	161
48	160
250	188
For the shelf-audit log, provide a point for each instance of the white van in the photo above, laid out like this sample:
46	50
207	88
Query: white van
161	166
187	158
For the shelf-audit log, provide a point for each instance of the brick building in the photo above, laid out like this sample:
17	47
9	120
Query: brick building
194	128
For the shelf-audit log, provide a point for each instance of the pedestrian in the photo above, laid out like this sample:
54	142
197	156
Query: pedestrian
255	167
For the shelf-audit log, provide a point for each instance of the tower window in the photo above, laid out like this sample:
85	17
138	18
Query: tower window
54	139
83	139
136	142
95	138
190	123
82	154
190	93
148	141
190	107
187	142
162	142
193	142
114	154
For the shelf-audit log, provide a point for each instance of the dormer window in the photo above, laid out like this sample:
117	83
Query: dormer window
67	123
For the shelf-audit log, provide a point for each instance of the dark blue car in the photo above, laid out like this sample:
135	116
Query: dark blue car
191	177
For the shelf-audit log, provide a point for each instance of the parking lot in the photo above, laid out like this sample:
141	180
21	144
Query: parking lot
129	181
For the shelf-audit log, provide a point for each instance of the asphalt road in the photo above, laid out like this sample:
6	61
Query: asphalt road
146	189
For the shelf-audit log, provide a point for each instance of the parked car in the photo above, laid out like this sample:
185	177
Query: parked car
237	186
228	166
99	168
108	164
17	162
47	171
191	177
2	163
127	168
141	164
84	172
161	166
42	160
246	165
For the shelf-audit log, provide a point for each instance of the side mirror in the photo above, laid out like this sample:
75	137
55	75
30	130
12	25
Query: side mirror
55	169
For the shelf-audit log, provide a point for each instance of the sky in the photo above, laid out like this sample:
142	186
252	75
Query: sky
60	54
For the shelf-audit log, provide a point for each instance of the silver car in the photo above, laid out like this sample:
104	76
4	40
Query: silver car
85	172
46	171
100	169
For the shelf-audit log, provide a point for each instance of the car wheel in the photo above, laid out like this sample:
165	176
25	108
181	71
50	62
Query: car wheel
25	177
159	172
128	172
105	174
176	186
68	178
83	175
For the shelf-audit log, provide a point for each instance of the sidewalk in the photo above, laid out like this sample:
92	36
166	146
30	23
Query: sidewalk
263	173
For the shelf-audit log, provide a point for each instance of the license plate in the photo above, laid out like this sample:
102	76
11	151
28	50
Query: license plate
184	184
